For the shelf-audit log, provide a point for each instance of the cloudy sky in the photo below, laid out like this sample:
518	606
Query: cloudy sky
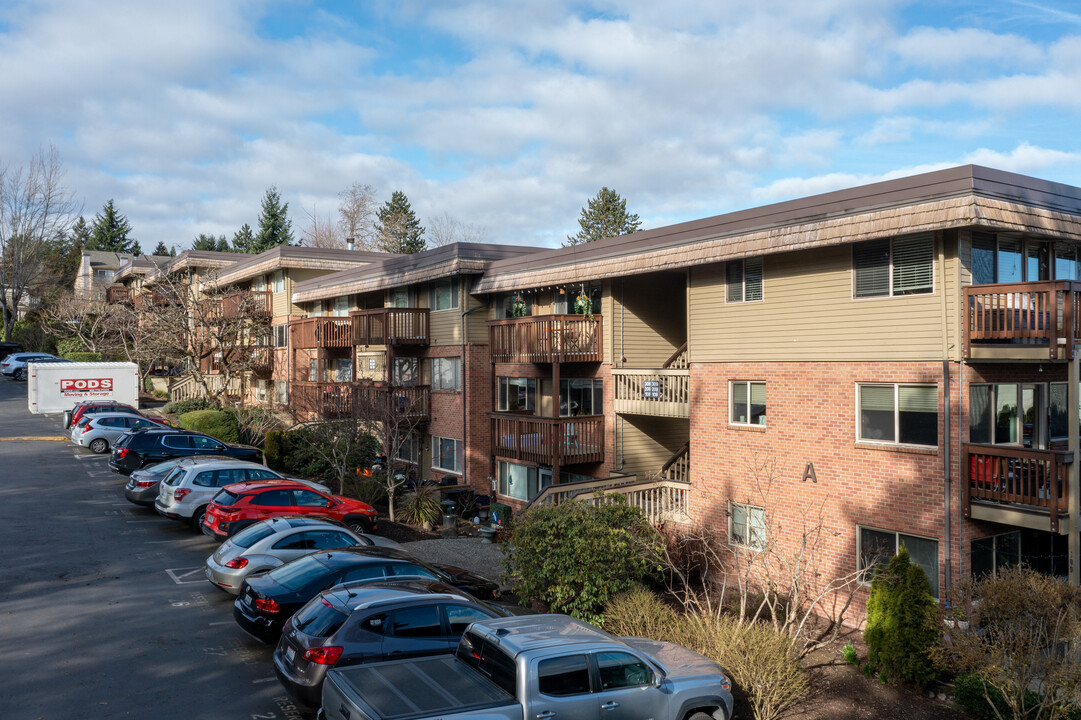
509	116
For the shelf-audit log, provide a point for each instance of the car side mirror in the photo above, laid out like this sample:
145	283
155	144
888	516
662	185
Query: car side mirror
658	681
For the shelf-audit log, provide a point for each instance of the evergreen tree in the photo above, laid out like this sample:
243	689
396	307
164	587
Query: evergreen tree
209	242
606	216
111	232
80	233
160	249
243	239
172	251
398	230
902	622
275	227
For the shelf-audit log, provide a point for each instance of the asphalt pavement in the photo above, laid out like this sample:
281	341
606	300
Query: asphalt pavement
104	610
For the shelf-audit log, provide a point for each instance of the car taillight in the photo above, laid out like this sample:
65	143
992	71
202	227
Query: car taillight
237	563
268	606
323	655
88	426
181	493
123	453
227	511
143	483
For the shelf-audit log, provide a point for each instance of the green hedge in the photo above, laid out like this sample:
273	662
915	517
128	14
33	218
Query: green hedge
216	423
181	407
83	356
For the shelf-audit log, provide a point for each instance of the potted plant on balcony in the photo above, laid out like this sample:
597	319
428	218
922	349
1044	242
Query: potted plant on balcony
517	306
583	305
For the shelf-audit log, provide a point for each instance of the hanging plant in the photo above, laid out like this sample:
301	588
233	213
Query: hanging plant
517	306
583	305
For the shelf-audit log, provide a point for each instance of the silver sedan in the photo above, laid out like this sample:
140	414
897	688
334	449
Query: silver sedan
270	543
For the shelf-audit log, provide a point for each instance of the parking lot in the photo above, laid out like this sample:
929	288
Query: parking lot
104	610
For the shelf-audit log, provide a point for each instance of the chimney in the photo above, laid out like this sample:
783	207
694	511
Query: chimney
349	243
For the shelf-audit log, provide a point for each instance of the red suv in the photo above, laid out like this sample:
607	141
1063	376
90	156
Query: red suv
242	504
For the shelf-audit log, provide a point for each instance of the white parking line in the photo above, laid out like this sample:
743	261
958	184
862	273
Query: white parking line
264	680
230	622
185	576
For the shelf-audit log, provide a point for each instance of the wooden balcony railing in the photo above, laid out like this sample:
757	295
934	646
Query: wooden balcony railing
330	401
546	338
117	294
661	393
1016	476
321	332
155	298
252	303
1034	315
258	359
372	401
390	326
661	500
678	466
548	441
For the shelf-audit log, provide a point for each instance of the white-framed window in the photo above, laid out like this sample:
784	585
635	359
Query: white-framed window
894	266
581	396
341	369
897	413
446	454
443	294
748	403
103	275
409	449
281	392
743	279
259	284
400	298
261	390
877	546
517	395
746	525
316	370
341	307
447	373
281	336
278	280
317	309
522	482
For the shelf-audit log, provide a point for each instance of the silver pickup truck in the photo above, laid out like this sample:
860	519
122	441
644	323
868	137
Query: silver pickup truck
536	666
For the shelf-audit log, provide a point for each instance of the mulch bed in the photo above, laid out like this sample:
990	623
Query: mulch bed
403	533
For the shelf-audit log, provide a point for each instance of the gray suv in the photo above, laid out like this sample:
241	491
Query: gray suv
186	491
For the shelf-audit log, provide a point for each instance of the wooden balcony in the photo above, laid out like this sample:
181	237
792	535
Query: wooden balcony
117	295
155	298
660	393
1022	321
546	339
259	361
1014	485
363	400
321	332
253	303
660	499
390	326
548	441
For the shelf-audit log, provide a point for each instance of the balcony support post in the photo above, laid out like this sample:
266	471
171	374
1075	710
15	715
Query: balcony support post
1072	525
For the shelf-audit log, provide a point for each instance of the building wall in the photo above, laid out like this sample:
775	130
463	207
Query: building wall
645	443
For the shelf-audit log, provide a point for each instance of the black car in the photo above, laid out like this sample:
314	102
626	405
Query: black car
266	601
353	624
146	447
6	348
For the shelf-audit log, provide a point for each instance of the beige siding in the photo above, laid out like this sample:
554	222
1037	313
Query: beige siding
648	443
476	323
808	313
445	327
648	318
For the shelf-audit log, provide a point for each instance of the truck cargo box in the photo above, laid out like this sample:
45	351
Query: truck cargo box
56	387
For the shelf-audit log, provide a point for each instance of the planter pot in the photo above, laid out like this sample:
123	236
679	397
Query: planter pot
487	533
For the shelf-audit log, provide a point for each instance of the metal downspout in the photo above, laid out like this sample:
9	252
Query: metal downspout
946	411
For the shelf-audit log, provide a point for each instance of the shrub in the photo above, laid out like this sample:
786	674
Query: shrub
576	556
421	507
850	655
67	346
216	423
968	692
902	622
161	394
302	454
272	450
180	407
83	356
254	424
641	612
369	490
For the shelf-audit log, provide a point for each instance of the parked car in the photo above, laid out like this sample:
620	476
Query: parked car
156	444
187	491
100	432
15	363
350	625
271	543
539	666
266	601
91	407
238	506
143	485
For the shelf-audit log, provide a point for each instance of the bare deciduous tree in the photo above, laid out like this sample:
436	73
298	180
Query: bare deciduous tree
445	229
35	210
99	326
356	215
321	232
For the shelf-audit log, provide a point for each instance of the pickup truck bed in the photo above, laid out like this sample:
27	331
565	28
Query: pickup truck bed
434	686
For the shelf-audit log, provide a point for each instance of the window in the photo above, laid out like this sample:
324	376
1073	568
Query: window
341	307
103	275
991	554
316	309
443	294
404	371
748	403
517	395
514	305
259	284
565	300
315	370
409	449
341	369
747	525
522	482
563	676
876	547
460	616
1026	414
897	266
415	622
899	414
281	392
999	259
622	670
400	298
744	280
281	336
200	442
446	373
581	396
261	390
447	455
278	280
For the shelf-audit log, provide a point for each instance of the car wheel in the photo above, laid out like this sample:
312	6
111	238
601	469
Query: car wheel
197	518
361	526
19	374
99	445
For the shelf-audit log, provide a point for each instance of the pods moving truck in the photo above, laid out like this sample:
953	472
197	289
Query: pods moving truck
56	387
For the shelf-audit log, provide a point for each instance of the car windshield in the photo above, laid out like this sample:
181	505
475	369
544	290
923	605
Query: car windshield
319	619
300	572
174	477
161	468
251	535
225	498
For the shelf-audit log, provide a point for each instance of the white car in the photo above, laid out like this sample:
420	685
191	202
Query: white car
185	492
15	363
100	432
